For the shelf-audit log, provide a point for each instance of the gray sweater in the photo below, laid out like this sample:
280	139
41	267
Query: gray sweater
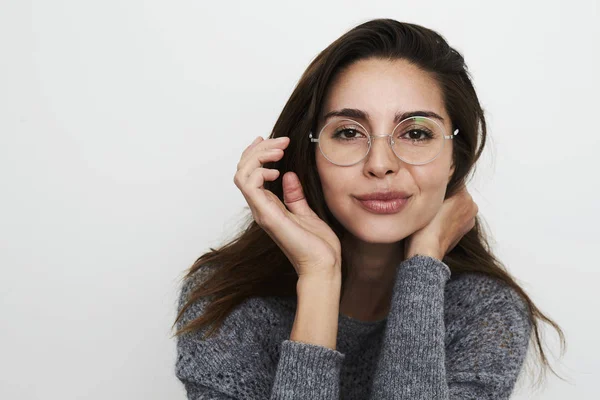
462	337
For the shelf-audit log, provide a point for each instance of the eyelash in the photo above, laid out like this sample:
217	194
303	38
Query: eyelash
428	135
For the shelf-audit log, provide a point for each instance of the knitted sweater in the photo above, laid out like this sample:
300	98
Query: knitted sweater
462	337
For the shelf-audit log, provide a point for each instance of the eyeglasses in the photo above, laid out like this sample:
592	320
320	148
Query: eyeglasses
415	140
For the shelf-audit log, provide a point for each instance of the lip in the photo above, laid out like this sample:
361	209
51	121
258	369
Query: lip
384	206
384	196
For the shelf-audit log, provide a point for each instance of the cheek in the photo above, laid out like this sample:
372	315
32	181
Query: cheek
333	179
432	181
430	178
433	177
428	182
337	184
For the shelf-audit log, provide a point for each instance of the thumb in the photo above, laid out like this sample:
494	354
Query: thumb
293	195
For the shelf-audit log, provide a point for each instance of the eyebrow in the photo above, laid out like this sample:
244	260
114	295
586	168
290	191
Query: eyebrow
363	115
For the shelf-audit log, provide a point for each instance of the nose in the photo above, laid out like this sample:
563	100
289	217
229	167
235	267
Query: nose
381	158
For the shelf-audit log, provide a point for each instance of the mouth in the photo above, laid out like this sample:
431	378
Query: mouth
379	206
384	195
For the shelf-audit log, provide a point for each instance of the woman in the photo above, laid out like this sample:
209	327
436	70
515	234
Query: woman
363	273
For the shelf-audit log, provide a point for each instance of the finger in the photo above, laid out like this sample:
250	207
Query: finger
248	166
257	178
460	191
252	150
293	195
251	145
261	198
252	163
277	221
256	140
260	144
255	194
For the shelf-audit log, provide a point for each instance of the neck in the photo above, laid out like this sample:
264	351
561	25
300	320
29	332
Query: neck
369	285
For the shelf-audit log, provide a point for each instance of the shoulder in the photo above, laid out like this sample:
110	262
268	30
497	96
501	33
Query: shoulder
187	286
252	310
472	296
476	289
249	335
488	332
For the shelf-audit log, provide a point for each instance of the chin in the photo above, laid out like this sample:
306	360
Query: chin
377	232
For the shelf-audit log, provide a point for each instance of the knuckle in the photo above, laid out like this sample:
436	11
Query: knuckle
252	175
237	181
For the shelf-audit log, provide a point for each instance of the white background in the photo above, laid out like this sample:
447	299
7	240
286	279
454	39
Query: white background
121	124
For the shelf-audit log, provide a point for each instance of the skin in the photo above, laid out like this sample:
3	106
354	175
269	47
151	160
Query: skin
429	225
376	244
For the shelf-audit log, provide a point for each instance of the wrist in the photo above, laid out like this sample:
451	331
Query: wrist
427	251
324	286
317	311
328	276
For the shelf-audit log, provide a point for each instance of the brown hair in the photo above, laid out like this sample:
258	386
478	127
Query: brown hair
253	265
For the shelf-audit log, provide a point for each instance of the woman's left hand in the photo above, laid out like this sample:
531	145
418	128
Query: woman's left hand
454	219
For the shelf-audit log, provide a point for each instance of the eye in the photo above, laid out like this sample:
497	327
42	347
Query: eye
418	135
349	132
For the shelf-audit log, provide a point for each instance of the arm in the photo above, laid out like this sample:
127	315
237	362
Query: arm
483	362
233	364
304	371
199	392
309	366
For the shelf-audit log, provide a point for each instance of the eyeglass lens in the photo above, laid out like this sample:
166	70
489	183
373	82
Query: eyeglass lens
415	140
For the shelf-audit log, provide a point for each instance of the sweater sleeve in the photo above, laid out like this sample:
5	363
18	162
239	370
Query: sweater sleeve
482	362
235	364
307	371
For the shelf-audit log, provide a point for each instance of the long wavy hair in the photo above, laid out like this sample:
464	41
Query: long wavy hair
251	264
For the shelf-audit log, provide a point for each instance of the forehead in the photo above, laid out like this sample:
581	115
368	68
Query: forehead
384	87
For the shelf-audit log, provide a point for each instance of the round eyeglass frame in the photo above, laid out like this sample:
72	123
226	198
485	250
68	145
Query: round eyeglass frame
391	138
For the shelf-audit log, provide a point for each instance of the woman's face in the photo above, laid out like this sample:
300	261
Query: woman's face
381	88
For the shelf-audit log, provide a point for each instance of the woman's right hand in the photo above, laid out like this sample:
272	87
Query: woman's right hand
308	242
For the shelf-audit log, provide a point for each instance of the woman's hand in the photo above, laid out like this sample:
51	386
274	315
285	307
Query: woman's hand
454	219
308	242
